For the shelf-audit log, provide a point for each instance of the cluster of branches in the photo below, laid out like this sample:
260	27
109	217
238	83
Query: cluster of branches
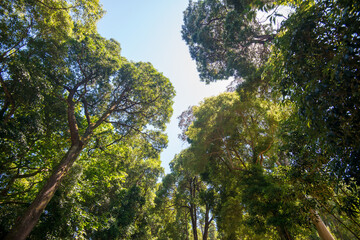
66	94
283	150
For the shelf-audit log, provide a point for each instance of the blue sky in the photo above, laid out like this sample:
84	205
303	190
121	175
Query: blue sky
149	31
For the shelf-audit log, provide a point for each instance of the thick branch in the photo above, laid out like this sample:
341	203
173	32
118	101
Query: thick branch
213	20
264	151
26	223
110	110
74	131
238	156
262	39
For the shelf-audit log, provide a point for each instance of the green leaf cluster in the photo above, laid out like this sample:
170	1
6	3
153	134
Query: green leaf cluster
64	87
307	73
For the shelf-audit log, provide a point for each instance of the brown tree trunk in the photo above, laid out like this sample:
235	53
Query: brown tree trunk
284	233
207	224
27	222
193	220
193	215
322	230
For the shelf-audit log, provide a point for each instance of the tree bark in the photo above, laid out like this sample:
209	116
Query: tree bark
193	214
207	223
284	233
321	228
24	225
193	221
27	222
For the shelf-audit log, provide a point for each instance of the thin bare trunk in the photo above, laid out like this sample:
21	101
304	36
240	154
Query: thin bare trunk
322	230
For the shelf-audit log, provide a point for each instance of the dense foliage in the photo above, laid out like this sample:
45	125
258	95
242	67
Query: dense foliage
283	151
77	116
82	127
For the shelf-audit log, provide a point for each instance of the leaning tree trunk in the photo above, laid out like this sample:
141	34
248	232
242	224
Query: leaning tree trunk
24	225
27	222
322	230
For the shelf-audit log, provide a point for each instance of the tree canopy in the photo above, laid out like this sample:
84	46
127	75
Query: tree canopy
82	127
307	66
71	88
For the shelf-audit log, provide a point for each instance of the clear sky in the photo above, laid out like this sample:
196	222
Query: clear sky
149	31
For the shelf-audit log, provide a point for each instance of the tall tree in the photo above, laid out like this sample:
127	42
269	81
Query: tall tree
32	119
185	192
226	39
98	87
240	137
313	53
173	220
315	64
194	194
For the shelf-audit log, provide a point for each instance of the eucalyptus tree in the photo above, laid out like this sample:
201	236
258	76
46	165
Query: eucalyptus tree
98	86
32	119
60	82
32	47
